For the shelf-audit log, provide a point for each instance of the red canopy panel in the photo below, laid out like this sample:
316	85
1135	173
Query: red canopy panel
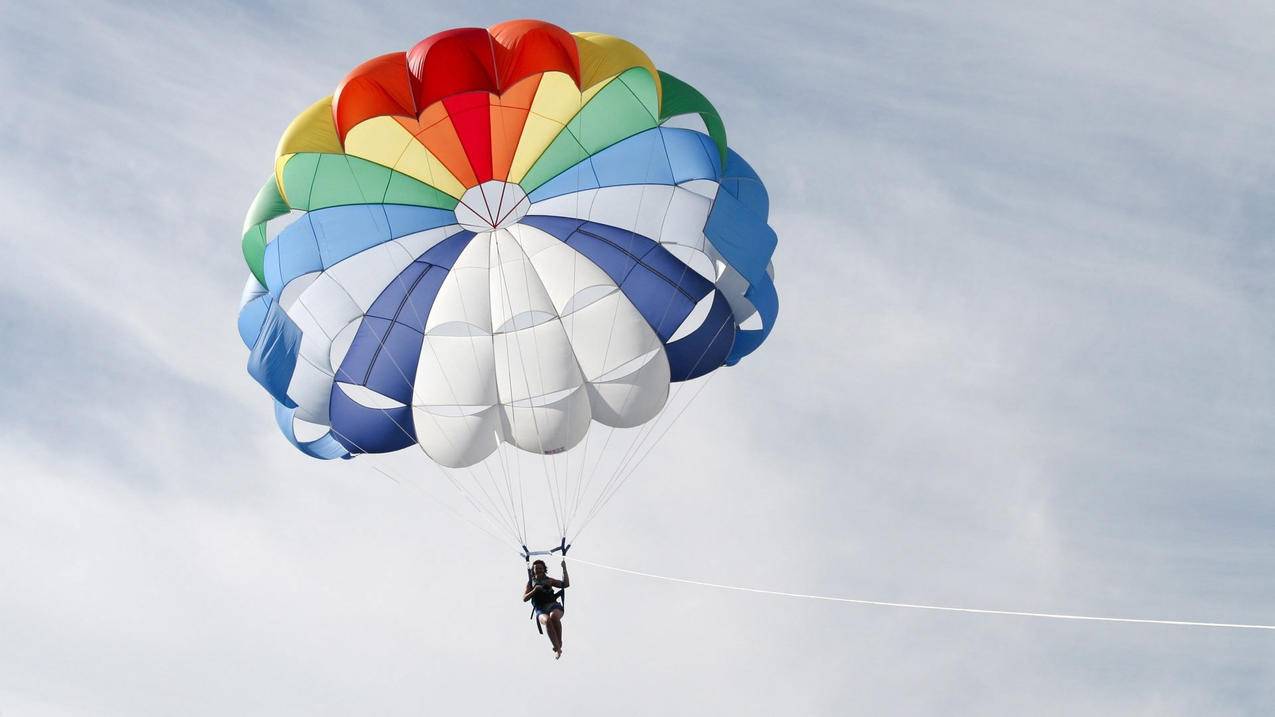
450	63
471	116
530	47
377	87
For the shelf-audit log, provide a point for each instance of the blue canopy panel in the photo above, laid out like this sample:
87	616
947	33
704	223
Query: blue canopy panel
324	237
359	429
766	300
741	182
384	354
252	317
274	354
662	288
737	228
657	156
707	347
325	447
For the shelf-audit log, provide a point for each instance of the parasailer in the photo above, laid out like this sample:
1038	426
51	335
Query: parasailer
497	249
546	597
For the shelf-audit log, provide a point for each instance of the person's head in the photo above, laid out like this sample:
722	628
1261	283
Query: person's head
538	568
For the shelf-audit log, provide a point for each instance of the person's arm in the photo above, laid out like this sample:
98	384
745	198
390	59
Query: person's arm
527	595
566	579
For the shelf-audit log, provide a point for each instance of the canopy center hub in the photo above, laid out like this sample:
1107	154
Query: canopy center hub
492	205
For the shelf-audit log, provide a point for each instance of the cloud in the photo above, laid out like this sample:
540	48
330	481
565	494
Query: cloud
1022	362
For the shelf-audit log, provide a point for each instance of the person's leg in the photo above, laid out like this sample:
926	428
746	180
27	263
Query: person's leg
551	630
555	629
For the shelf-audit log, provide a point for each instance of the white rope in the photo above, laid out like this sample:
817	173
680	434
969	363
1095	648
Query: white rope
857	601
912	606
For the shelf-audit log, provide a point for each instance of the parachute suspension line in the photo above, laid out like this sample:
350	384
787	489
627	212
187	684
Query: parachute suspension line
504	466
588	473
521	499
451	510
574	496
526	283
506	497
492	506
642	432
648	428
604	499
644	450
498	499
505	512
495	507
502	504
467	497
589	480
522	495
606	353
571	341
624	471
527	286
941	608
584	473
635	447
584	470
495	239
651	156
666	429
575	264
509	522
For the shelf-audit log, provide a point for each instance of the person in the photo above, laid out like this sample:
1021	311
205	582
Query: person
540	591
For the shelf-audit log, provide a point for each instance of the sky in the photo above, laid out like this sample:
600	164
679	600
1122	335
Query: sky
1023	362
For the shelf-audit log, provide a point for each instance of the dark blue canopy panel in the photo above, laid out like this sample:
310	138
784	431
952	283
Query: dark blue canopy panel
662	288
383	357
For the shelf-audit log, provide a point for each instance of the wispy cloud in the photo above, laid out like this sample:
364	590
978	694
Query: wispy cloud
1023	361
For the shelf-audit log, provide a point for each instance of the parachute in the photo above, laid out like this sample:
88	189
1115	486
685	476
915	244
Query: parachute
494	246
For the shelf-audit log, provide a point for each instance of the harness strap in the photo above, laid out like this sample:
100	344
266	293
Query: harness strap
561	594
527	557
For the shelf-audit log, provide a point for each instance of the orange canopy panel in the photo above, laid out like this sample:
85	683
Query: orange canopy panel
508	115
434	130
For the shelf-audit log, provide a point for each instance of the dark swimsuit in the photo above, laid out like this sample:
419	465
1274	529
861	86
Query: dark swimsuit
542	599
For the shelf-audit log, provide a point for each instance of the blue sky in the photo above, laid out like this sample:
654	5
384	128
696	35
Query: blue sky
1023	361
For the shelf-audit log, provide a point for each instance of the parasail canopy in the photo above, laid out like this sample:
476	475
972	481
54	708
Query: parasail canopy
497	239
